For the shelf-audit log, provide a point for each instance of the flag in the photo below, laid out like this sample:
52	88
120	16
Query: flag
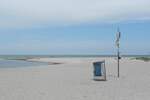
118	35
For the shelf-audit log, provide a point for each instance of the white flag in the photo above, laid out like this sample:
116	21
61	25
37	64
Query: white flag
118	35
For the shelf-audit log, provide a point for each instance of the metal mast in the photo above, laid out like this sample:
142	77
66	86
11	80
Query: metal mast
118	50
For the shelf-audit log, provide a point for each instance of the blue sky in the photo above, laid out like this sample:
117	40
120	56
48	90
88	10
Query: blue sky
74	26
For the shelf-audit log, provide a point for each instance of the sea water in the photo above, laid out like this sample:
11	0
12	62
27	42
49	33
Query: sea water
18	63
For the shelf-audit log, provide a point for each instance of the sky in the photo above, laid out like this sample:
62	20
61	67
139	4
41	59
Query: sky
74	26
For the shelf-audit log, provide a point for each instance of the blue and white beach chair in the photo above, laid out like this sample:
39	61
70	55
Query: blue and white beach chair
99	71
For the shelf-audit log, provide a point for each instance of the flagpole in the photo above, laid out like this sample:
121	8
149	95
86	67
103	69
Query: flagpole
118	63
118	51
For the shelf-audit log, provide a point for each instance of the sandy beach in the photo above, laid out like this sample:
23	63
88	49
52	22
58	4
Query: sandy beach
72	79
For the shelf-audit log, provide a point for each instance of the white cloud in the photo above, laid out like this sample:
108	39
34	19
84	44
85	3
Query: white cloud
36	12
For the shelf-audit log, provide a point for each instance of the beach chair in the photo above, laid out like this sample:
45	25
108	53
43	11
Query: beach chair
99	71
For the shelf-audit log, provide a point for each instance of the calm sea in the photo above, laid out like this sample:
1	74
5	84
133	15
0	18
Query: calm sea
19	63
61	56
15	61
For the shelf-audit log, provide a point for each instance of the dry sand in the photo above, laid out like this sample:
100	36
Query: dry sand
72	80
